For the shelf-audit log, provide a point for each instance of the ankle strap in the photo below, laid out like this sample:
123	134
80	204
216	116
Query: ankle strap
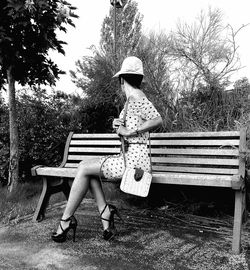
103	212
67	219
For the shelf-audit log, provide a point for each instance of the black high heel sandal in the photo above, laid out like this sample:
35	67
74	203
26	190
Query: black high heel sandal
61	237
110	232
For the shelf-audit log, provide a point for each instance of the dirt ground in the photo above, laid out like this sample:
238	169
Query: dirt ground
147	240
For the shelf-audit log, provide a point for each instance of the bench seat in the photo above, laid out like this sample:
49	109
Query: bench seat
230	181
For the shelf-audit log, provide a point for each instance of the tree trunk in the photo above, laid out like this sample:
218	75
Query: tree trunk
14	153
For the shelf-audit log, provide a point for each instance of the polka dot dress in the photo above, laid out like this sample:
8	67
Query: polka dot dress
138	112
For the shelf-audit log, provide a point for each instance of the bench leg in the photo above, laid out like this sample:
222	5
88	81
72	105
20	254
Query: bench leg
43	202
50	187
238	216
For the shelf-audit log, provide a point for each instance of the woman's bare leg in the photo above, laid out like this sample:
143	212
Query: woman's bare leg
97	191
86	174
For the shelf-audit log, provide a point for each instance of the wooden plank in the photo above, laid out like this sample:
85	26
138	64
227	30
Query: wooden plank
195	170
198	161
161	178
95	142
198	151
58	172
71	165
84	157
180	169
162	151
196	134
95	135
105	150
193	179
229	143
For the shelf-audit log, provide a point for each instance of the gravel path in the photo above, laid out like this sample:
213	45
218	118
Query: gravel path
147	240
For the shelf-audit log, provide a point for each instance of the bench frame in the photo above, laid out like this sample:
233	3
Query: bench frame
53	184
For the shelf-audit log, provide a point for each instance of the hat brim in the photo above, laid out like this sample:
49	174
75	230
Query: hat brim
122	72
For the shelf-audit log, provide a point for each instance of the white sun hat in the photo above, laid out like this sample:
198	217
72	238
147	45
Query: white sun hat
131	65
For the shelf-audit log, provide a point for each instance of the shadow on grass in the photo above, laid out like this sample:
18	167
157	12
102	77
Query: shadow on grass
21	202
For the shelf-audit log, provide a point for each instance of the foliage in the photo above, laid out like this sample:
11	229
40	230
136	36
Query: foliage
215	110
27	32
205	51
94	73
157	83
44	122
128	33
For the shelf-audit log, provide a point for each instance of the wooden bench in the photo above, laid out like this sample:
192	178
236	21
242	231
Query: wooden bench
213	159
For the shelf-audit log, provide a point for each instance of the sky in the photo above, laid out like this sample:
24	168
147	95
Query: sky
158	15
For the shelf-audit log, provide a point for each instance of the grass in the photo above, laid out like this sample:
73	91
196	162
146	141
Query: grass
21	202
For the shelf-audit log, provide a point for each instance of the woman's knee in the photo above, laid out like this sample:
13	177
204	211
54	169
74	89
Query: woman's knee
90	167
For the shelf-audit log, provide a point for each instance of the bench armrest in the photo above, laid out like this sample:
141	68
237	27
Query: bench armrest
33	169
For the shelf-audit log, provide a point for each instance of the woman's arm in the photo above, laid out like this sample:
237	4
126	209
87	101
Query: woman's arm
146	126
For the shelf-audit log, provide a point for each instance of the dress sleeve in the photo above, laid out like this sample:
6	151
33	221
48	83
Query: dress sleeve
148	111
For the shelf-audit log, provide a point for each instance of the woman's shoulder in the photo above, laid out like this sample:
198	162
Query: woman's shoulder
140	99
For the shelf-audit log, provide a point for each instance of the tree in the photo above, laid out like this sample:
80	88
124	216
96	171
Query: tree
94	73
157	82
27	33
242	83
205	51
128	33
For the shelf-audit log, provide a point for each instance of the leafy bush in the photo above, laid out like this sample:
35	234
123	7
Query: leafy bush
44	122
215	110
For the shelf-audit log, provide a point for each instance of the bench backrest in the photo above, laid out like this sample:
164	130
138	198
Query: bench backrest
201	152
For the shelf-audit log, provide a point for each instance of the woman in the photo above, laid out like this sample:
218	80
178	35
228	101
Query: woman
141	117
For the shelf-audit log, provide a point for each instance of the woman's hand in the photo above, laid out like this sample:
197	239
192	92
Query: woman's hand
123	131
117	122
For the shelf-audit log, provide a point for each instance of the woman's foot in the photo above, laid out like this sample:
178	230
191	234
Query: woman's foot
64	227
108	220
105	217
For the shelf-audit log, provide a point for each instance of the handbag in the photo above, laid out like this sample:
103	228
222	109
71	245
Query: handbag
135	181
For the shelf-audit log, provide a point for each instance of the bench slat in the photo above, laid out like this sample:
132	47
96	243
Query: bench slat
229	143
83	157
166	177
195	170
95	142
198	152
193	179
114	150
71	165
179	160
189	169
200	161
196	134
208	143
173	151
95	135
